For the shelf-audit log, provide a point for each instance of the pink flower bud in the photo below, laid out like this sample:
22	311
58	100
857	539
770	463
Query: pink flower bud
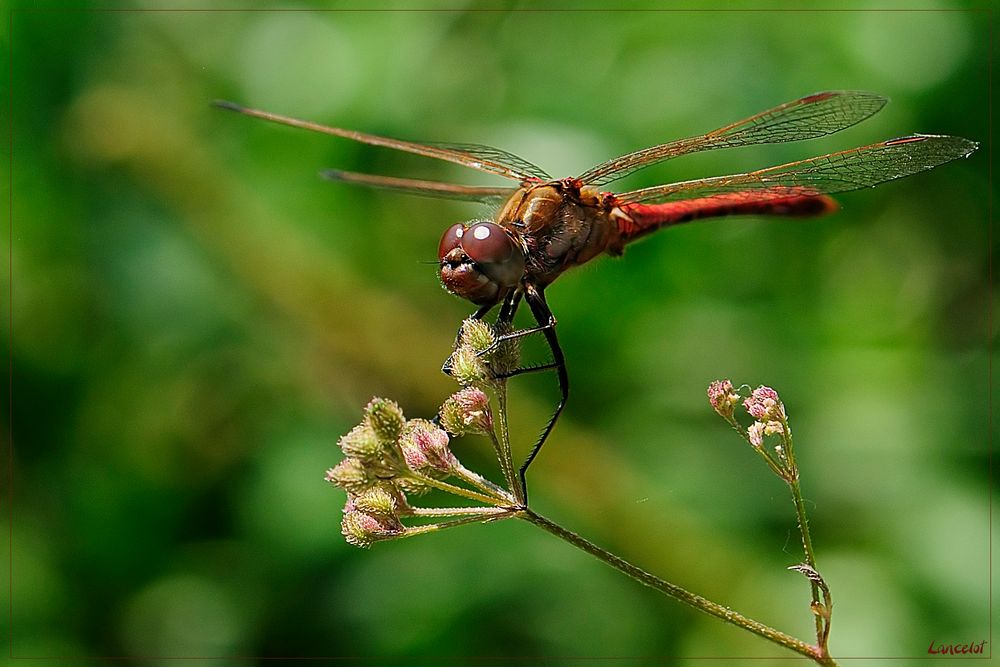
414	457
362	529
424	444
756	434
722	397
764	404
467	411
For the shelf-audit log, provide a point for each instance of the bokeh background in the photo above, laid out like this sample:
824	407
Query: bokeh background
197	317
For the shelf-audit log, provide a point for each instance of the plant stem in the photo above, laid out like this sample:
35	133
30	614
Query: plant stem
502	445
486	485
456	511
459	491
792	477
477	518
678	593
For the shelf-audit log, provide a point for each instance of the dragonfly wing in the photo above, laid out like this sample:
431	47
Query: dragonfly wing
493	155
482	158
483	194
847	170
806	118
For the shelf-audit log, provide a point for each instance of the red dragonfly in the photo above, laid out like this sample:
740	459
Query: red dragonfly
544	226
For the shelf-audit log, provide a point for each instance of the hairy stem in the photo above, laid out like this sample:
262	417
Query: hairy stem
502	445
460	491
486	485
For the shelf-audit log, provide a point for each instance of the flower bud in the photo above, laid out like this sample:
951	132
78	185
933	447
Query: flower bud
411	486
414	457
376	501
361	442
722	397
774	428
362	530
466	366
764	404
756	434
467	411
351	475
385	419
426	445
507	355
477	334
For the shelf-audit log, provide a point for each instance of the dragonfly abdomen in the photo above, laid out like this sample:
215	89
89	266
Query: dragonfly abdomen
636	220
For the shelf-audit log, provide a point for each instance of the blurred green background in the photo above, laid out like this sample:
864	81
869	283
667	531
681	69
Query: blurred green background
197	317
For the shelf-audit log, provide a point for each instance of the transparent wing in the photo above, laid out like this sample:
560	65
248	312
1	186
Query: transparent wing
485	195
827	174
493	155
806	118
483	158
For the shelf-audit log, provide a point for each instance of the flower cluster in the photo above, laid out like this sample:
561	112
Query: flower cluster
388	459
768	412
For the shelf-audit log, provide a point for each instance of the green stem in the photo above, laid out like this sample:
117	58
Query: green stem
678	593
792	477
459	491
456	511
486	485
502	445
822	625
433	527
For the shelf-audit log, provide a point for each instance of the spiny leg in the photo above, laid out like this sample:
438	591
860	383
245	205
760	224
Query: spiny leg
547	323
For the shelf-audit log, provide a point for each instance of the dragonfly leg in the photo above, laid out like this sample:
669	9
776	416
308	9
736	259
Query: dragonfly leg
509	308
547	325
505	318
528	369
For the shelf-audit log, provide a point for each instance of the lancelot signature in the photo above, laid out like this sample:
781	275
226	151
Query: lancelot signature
956	649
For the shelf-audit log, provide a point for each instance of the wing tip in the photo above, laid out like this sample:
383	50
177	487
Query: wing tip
332	175
228	106
964	147
881	100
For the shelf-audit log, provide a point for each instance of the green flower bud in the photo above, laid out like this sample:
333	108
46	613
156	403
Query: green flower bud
411	486
507	355
385	418
477	334
361	443
467	368
376	501
351	475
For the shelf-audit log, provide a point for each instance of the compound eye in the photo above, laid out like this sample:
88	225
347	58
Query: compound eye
486	243
451	239
490	247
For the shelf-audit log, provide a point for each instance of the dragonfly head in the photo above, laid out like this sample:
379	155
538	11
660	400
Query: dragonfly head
480	261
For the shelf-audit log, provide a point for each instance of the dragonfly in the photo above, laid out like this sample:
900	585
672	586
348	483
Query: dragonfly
544	226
